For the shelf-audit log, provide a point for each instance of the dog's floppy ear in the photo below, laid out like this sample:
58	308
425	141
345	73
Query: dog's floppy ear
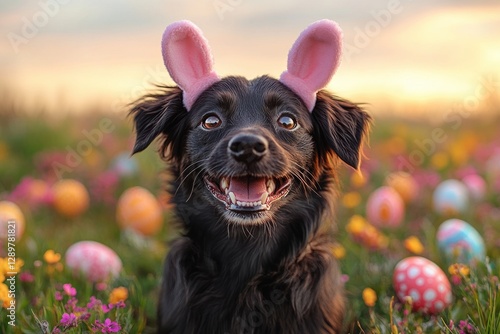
160	114
188	59
312	60
339	126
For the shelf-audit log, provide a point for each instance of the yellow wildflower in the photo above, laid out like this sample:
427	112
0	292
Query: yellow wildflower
118	294
51	257
338	251
4	295
357	179
10	268
459	269
439	160
413	244
356	224
351	199
369	297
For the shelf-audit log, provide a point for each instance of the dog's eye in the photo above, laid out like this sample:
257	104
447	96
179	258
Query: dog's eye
211	122
287	122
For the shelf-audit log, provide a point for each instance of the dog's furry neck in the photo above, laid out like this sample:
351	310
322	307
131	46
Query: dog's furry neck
255	249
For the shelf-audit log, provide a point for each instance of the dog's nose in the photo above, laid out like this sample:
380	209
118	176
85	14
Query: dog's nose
247	147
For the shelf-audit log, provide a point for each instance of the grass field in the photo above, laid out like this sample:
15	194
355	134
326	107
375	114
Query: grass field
88	149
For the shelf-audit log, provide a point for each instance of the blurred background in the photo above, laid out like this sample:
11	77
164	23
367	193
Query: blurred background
409	57
428	72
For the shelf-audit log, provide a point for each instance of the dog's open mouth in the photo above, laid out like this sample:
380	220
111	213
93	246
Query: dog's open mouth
248	193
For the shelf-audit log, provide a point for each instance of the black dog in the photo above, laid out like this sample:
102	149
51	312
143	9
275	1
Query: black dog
255	178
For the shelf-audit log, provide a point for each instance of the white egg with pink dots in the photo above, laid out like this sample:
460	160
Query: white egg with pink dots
423	281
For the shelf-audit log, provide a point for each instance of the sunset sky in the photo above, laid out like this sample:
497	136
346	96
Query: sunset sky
70	54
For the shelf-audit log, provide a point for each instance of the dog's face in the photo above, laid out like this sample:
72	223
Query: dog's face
250	148
254	144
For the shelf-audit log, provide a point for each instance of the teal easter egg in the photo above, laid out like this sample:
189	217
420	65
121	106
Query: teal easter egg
125	165
460	242
451	197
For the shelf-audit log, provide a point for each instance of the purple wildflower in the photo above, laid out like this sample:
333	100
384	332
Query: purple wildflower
58	296
68	320
110	326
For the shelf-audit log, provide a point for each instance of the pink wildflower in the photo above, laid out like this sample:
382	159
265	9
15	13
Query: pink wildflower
68	320
69	290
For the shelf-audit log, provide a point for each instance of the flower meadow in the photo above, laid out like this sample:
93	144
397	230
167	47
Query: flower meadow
85	256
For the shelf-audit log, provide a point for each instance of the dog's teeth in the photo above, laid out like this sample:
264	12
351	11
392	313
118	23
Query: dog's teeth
239	203
224	184
271	186
263	198
232	197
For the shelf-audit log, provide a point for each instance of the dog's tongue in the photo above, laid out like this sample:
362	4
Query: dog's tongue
248	189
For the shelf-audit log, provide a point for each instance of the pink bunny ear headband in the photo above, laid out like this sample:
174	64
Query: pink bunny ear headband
312	60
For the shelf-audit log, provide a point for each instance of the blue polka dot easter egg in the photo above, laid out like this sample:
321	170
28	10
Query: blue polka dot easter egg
460	242
451	197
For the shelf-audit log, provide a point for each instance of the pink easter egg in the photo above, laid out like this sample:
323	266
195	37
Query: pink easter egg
385	208
423	281
95	261
476	186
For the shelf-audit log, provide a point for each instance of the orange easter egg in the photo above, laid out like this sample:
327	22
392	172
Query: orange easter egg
11	220
140	211
71	198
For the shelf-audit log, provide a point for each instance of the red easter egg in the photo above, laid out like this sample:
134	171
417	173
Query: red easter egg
423	281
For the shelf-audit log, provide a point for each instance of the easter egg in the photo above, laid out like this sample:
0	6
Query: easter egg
450	197
139	210
70	198
385	208
124	164
404	184
11	220
476	186
424	282
460	242
93	260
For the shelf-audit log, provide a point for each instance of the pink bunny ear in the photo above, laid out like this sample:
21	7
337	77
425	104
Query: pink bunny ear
188	59
312	60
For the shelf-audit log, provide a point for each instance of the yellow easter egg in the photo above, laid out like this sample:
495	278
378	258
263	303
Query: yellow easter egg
71	198
139	210
12	221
